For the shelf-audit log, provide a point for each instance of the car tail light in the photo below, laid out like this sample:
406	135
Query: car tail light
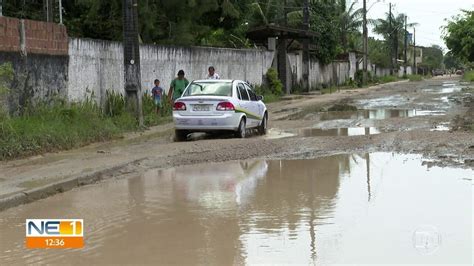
179	106
225	106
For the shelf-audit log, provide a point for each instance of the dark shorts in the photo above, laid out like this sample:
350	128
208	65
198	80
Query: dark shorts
157	102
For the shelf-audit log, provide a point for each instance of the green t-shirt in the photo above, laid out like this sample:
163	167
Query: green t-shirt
178	86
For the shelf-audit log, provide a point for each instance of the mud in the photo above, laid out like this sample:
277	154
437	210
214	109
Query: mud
368	208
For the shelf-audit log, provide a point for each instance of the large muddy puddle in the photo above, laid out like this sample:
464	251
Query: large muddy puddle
368	208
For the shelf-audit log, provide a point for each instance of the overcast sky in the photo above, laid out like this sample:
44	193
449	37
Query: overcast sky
429	14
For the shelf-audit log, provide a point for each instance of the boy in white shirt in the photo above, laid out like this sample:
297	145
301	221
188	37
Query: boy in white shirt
212	73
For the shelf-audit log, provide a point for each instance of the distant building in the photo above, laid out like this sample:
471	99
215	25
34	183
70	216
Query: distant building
419	55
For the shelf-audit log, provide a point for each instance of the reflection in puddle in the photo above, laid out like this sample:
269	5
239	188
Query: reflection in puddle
446	87
379	114
389	101
369	208
351	131
441	127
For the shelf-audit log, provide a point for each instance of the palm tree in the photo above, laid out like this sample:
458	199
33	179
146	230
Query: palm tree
350	22
393	30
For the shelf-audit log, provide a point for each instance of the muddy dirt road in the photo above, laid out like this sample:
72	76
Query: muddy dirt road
408	117
389	181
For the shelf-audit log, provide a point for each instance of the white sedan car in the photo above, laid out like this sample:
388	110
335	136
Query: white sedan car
219	105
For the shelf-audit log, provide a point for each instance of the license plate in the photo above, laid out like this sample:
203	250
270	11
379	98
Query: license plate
201	107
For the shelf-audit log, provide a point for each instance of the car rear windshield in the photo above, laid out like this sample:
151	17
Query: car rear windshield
209	88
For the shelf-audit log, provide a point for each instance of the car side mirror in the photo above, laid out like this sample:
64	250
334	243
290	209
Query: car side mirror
259	98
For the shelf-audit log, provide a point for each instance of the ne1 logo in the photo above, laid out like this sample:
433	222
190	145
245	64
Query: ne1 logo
54	233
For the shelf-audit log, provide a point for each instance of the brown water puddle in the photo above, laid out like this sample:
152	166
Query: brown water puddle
370	208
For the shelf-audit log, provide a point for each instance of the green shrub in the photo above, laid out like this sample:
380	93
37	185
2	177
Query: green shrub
350	83
267	94
386	79
58	125
469	76
114	103
150	117
415	78
54	126
274	83
359	76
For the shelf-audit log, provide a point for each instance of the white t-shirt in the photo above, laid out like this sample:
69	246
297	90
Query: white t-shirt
215	76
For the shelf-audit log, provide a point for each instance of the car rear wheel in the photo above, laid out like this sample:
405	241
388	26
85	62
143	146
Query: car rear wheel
180	135
240	133
262	129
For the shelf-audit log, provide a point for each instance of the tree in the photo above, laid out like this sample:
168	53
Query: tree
432	57
324	18
27	9
349	24
459	36
379	53
393	30
451	62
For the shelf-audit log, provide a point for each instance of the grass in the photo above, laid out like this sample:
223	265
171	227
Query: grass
469	76
270	98
415	78
59	125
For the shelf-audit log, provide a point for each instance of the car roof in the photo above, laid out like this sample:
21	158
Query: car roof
216	80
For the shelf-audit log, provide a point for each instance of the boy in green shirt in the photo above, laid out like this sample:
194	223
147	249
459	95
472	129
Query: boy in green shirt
178	85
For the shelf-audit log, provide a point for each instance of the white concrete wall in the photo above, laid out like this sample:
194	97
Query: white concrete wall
335	73
352	65
380	72
96	65
400	71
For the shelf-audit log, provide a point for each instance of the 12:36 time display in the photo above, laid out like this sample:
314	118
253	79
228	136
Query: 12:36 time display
54	242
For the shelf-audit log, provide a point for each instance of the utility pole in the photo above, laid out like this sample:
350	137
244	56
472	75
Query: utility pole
405	52
131	56
390	42
48	6
365	42
306	47
414	52
60	12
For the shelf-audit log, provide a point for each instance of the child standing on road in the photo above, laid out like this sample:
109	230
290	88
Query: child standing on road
157	93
